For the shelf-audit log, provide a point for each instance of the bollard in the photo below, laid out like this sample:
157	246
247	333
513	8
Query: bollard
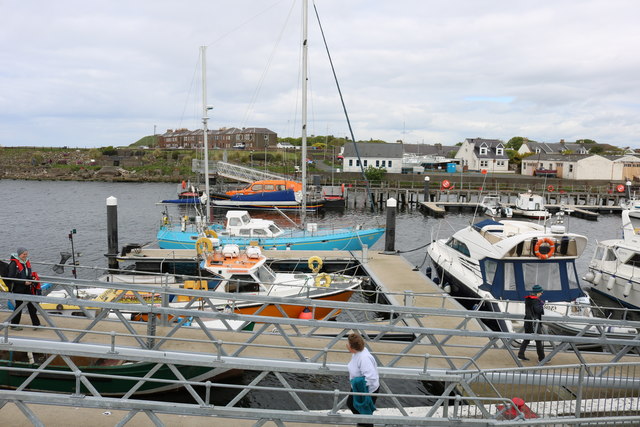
390	233
427	196
628	188
112	232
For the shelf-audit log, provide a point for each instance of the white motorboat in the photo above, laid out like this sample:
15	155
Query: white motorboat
614	270
531	206
493	207
493	266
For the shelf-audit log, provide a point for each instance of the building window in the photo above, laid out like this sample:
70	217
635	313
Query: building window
357	162
350	162
483	150
384	163
364	162
377	163
500	162
499	151
389	163
484	163
570	168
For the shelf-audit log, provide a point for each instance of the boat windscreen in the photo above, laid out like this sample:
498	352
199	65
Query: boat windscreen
266	275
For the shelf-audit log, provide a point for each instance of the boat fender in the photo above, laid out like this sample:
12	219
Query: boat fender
183	224
427	272
627	289
611	282
519	248
534	242
447	288
315	263
323	280
305	314
597	278
589	277
544	248
165	220
436	280
203	245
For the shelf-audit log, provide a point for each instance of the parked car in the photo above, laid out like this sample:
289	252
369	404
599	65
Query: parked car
285	145
239	146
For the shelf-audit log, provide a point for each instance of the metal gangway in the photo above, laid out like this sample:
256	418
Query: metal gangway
236	172
482	383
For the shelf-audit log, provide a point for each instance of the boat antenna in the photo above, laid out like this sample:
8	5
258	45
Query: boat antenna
205	119
475	213
303	154
344	108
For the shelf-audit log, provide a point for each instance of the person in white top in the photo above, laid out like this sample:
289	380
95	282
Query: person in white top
362	364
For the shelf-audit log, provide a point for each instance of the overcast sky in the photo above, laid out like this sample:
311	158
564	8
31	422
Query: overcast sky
99	73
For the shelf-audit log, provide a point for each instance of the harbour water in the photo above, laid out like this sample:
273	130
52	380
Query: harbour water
40	215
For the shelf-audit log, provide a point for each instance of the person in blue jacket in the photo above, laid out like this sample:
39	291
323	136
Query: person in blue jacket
20	268
363	375
533	311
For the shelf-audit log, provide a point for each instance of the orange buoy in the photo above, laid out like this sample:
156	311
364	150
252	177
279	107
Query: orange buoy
306	314
620	188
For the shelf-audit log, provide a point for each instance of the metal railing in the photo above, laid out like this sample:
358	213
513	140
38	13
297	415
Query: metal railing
462	360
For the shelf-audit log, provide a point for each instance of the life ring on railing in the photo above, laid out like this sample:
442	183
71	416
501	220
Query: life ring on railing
550	188
446	183
210	233
620	188
323	280
203	244
551	248
315	263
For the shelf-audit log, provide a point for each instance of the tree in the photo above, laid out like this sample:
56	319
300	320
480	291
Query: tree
586	141
515	142
375	174
596	150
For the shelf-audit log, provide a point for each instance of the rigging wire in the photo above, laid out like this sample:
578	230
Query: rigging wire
344	108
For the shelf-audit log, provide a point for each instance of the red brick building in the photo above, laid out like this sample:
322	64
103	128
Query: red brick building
252	138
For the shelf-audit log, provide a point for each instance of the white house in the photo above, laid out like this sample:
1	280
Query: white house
378	155
583	166
477	154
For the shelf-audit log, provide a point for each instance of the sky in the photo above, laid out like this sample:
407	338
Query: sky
107	73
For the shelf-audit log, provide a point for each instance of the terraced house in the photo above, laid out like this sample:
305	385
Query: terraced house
251	138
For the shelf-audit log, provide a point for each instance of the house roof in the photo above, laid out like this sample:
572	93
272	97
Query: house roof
373	149
555	157
491	145
427	149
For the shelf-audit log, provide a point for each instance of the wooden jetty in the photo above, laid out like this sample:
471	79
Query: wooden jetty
589	212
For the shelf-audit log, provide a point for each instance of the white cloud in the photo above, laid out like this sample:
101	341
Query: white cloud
105	73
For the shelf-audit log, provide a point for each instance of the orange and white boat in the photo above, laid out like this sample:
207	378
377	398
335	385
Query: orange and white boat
233	274
268	185
246	273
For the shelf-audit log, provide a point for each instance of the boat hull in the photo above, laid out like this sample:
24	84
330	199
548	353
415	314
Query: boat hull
351	240
295	311
60	379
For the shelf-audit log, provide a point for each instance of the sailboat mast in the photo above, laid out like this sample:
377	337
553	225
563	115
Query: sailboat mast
303	213
205	132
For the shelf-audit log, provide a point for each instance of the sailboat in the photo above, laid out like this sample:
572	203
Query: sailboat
185	234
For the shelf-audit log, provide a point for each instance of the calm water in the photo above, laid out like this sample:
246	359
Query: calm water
39	215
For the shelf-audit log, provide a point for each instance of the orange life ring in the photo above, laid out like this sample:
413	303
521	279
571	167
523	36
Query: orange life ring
620	188
552	248
446	183
550	188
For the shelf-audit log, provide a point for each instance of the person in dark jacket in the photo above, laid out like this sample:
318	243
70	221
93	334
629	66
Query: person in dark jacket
534	309
20	269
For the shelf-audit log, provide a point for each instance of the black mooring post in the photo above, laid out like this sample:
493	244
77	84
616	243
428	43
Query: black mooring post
427	196
390	233
112	232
